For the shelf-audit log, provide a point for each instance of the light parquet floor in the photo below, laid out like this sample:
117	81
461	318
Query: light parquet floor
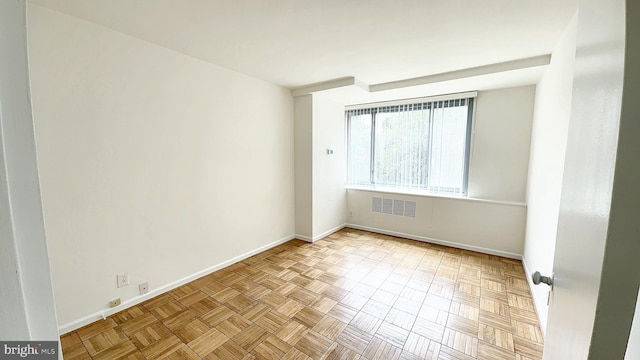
353	295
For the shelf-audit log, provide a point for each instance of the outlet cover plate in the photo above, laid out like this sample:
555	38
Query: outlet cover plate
144	288
122	279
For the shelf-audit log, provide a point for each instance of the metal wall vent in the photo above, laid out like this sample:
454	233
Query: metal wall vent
387	206
376	204
393	207
410	209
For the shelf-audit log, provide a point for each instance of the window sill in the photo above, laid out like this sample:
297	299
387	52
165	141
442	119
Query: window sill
432	195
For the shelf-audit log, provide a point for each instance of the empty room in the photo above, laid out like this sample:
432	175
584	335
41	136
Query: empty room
319	180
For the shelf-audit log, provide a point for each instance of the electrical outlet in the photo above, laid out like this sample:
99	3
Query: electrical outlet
350	213
122	279
144	288
115	302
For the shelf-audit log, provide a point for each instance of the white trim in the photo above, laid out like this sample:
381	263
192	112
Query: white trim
320	236
329	232
328	85
462	95
465	73
518	64
536	304
304	238
76	324
430	195
439	242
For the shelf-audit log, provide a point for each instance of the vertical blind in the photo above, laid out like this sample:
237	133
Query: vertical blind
416	146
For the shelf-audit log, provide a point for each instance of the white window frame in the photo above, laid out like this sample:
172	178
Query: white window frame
472	96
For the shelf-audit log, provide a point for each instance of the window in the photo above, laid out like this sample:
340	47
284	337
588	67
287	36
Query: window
421	145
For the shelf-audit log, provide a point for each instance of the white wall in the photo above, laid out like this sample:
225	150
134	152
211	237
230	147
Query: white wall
482	226
26	296
546	164
329	194
303	154
500	149
498	173
319	177
149	157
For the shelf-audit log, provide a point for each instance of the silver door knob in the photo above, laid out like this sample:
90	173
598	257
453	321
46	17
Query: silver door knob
538	278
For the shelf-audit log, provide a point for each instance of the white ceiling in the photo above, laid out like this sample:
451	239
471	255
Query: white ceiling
298	42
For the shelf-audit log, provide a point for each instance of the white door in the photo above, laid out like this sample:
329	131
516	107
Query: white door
596	257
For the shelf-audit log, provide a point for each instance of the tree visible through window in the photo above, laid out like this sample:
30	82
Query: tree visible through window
422	146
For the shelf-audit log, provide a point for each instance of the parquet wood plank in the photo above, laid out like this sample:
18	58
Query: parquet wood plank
75	352
250	337
128	314
342	353
295	354
354	339
461	342
70	339
151	334
157	301
181	353
191	330
330	327
421	346
381	350
401	318
162	348
272	321
529	331
120	350
527	348
429	329
134	325
463	325
487	351
498	337
227	351
271	348
95	328
314	345
104	340
234	325
392	334
167	309
204	344
433	314
447	353
366	322
292	332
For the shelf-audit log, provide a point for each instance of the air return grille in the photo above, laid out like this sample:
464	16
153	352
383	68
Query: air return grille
393	207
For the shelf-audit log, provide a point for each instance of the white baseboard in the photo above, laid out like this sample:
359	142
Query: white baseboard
320	236
536	304
76	324
439	242
329	232
304	238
